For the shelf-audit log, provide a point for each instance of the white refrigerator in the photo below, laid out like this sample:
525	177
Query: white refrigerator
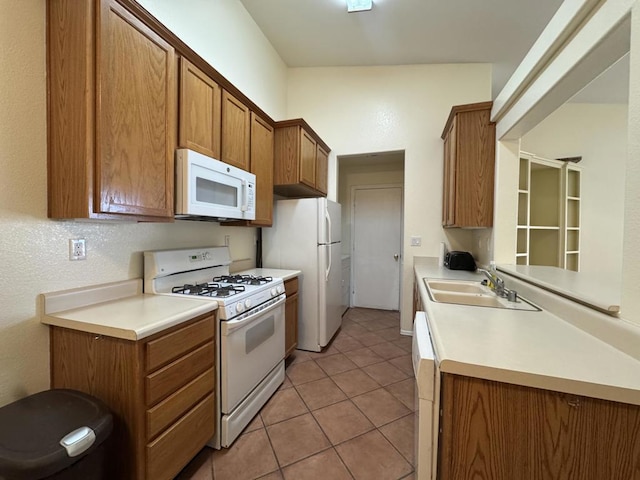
306	236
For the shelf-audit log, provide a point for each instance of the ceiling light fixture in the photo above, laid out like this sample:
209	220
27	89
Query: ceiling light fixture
359	5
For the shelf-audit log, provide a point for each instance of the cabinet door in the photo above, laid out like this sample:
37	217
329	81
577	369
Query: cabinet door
236	119
500	431
199	111
449	183
291	316
136	118
262	167
322	169
307	159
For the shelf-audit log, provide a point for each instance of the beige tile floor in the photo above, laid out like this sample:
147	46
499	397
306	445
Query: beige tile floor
345	413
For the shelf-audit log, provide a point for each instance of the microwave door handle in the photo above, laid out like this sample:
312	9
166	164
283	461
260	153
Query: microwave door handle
245	196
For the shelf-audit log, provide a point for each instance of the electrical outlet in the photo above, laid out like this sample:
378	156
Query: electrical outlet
77	249
416	241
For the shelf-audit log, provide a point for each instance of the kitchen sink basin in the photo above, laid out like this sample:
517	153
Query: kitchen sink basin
454	286
470	293
467	299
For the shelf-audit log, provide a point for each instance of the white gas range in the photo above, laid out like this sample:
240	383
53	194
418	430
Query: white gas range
250	328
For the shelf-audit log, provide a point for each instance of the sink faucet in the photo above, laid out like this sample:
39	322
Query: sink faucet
496	283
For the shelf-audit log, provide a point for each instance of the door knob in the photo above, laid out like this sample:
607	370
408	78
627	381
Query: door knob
396	256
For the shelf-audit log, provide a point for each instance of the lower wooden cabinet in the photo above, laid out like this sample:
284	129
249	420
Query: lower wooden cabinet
160	389
498	431
291	316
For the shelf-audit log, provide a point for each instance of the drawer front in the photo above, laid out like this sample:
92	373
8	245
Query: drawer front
170	378
291	286
169	347
174	406
172	450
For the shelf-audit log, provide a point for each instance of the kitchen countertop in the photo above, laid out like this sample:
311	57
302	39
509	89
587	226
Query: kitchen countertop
120	310
534	349
272	272
600	293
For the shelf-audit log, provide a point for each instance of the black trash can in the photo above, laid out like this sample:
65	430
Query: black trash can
55	434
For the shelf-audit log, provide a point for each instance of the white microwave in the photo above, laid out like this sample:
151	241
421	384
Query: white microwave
209	189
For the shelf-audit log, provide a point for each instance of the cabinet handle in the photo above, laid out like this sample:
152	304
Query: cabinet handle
574	402
396	256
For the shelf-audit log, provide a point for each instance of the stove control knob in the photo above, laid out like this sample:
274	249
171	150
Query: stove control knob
239	307
206	256
274	292
247	303
280	289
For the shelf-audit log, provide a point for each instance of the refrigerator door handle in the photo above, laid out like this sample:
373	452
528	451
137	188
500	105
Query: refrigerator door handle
326	276
328	219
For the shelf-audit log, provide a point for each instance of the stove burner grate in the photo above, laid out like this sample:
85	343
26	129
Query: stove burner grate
208	290
243	279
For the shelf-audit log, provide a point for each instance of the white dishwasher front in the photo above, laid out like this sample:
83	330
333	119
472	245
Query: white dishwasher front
425	367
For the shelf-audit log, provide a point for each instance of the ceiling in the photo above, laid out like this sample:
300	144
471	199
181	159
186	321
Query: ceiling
320	33
312	33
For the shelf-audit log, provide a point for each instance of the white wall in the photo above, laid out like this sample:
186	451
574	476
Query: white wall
392	108
631	268
598	133
33	249
224	34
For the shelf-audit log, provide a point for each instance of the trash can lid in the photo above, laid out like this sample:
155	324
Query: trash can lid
31	430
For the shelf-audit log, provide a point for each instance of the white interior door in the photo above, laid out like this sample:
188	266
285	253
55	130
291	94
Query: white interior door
376	248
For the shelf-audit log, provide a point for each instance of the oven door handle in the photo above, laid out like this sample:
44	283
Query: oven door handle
229	326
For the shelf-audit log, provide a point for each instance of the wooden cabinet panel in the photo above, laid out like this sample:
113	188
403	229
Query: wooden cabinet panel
136	125
168	347
262	167
114	370
199	111
322	169
168	454
469	164
168	379
498	431
111	114
291	316
236	119
301	161
174	406
307	159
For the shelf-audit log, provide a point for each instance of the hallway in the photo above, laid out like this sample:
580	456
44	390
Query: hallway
344	413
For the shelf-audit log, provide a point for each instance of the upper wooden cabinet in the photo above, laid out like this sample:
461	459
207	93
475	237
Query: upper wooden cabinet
236	128
322	169
111	114
469	163
199	111
301	161
262	166
262	151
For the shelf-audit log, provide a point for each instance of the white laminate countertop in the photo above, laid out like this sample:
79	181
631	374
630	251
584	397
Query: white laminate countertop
120	310
600	293
272	272
535	349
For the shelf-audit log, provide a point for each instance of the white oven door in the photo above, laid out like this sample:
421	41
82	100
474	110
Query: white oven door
427	390
250	348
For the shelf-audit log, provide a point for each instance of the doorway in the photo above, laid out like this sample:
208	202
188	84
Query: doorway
376	246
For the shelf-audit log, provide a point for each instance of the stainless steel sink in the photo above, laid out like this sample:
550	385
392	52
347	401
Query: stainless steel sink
461	292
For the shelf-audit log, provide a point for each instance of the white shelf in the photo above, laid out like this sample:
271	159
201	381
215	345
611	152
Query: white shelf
548	222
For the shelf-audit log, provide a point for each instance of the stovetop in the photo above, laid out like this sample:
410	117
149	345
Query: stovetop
204	273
